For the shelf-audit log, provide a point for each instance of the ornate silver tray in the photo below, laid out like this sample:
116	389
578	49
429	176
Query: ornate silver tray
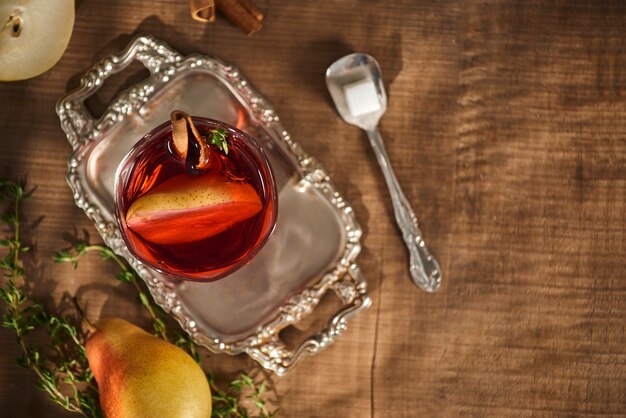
317	238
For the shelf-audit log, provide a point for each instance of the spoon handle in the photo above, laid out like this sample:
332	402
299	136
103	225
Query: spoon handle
424	269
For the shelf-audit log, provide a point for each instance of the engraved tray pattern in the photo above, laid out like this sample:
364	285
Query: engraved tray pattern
84	132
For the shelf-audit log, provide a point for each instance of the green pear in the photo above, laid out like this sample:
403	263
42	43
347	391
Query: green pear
142	376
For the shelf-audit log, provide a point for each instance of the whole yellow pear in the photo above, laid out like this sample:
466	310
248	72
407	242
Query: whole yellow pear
142	376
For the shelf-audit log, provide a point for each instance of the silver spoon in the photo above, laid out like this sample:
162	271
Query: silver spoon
356	86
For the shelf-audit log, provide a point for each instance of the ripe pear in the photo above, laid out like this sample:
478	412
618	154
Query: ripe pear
33	36
187	209
142	376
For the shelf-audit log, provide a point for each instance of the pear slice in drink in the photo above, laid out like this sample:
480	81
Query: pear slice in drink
185	209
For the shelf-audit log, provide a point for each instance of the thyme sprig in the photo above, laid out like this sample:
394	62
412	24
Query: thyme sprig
217	137
61	367
227	404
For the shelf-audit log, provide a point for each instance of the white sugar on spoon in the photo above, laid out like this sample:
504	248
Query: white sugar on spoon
361	97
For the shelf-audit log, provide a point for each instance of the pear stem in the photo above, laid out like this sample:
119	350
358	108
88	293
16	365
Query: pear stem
91	328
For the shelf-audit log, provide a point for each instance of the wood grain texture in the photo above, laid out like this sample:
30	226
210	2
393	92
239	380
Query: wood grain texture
505	127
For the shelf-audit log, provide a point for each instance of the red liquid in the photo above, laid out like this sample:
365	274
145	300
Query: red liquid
152	162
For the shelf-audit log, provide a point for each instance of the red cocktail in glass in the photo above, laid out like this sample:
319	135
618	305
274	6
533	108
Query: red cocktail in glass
193	220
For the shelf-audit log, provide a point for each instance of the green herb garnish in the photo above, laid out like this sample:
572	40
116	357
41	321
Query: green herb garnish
61	366
218	138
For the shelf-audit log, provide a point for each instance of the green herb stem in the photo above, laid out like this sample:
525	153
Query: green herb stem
127	274
23	320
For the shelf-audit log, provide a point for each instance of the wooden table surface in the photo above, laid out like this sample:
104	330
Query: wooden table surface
506	129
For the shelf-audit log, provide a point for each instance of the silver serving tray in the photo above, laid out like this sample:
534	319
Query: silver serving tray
312	250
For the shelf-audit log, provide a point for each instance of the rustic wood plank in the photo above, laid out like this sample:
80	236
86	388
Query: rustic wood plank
529	322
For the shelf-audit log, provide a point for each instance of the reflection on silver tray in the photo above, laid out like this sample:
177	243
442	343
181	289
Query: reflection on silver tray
317	238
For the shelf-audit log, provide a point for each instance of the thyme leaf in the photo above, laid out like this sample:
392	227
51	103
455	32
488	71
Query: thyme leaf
217	137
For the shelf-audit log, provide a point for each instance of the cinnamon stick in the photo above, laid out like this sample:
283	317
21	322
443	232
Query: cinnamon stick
251	8
242	13
179	133
202	10
184	131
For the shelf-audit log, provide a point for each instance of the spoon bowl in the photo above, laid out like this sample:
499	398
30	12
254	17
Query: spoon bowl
347	71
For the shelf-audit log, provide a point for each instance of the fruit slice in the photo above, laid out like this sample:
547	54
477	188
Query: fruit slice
33	36
186	209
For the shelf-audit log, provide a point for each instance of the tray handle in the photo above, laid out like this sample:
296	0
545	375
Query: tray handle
274	354
76	120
